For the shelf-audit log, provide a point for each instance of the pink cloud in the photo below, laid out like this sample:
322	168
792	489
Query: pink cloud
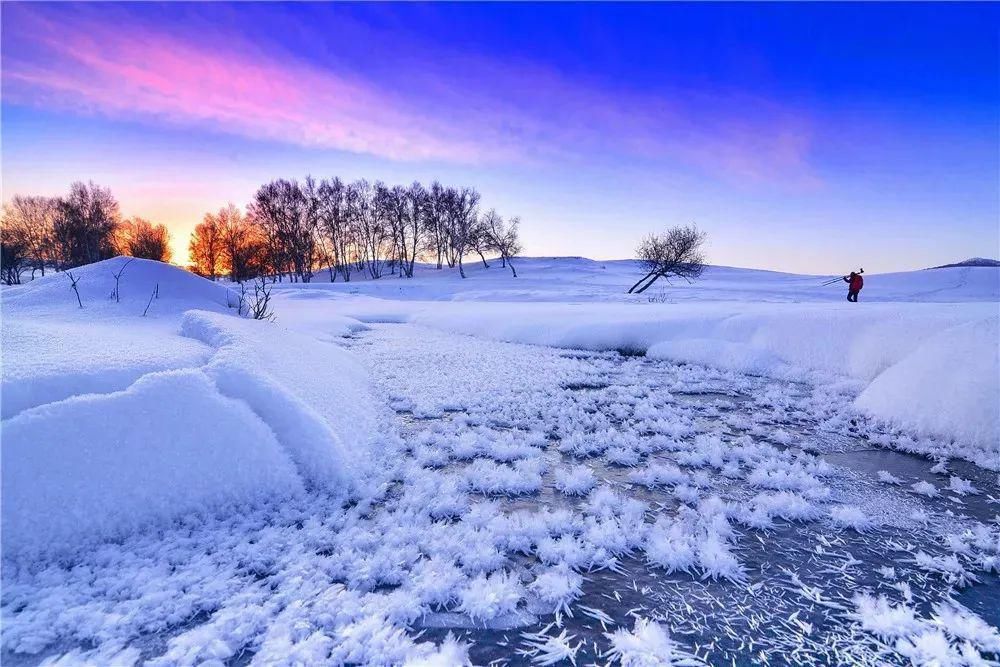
472	110
133	71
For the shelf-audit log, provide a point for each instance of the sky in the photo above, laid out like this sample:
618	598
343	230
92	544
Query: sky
804	137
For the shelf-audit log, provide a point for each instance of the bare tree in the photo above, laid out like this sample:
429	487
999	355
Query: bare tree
205	247
502	237
26	236
85	225
116	292
140	238
461	207
288	213
245	252
258	305
336	226
405	209
366	207
73	280
435	222
675	253
13	255
154	294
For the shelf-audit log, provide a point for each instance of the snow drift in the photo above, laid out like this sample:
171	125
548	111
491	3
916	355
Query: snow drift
113	420
931	368
104	464
313	394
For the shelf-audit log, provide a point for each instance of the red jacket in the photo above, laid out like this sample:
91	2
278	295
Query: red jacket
856	283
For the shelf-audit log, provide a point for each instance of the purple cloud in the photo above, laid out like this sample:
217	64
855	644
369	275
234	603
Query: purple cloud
459	108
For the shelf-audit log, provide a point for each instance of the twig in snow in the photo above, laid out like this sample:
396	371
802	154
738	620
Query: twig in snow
73	281
115	293
156	292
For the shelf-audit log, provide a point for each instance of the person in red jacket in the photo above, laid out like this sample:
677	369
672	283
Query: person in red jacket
854	284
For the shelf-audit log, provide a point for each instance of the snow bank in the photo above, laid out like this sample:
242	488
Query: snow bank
47	359
949	384
113	420
577	279
315	395
101	465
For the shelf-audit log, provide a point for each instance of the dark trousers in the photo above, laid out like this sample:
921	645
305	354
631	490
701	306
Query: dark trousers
852	295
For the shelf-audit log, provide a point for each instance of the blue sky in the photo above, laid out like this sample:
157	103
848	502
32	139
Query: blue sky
801	137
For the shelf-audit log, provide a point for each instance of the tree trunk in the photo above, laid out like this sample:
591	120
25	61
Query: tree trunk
647	285
483	258
512	269
641	280
461	269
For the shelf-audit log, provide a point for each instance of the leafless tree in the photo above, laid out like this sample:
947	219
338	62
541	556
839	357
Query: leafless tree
462	217
258	305
26	236
405	209
435	222
13	256
205	247
155	294
85	225
337	227
366	210
481	242
140	238
674	253
502	237
288	212
244	246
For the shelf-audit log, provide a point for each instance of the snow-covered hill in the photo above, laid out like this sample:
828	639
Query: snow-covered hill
972	261
577	279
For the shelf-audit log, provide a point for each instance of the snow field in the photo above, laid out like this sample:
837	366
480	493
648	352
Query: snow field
314	580
552	505
101	436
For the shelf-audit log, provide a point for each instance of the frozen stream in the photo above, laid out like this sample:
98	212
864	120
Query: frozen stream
534	503
800	577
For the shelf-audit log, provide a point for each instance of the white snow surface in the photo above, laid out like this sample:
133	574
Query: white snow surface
113	420
921	348
104	464
238	491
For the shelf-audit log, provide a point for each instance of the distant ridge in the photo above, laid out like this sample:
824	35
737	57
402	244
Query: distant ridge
974	261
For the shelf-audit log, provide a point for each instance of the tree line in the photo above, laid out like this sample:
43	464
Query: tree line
84	226
295	229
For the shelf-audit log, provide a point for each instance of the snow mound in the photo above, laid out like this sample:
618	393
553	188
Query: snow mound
114	421
314	395
47	360
949	384
102	465
179	289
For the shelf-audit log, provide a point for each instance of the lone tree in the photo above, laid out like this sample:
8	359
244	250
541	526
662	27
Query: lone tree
675	253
